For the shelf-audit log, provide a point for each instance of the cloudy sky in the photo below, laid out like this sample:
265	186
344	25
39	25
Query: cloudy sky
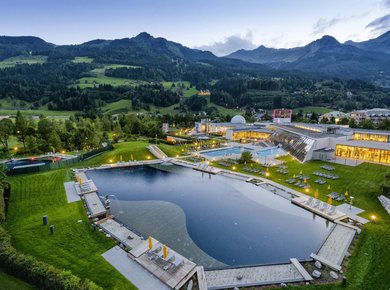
221	26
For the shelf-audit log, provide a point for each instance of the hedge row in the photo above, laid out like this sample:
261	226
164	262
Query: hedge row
42	275
2	206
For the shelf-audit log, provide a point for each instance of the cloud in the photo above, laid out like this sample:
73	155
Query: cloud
380	24
230	44
387	3
323	24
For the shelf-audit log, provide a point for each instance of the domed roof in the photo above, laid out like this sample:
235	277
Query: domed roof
238	119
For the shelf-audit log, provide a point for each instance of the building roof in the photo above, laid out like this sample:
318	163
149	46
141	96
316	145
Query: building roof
251	128
238	119
366	144
317	131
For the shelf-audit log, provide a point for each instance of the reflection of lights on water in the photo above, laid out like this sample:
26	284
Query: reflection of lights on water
121	211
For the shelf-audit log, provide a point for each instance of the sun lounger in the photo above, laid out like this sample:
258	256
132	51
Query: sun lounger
331	210
317	203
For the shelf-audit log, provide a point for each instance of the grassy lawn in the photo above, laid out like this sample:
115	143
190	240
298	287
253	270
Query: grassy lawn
187	91
121	106
369	264
4	112
90	82
126	150
75	246
82	59
22	59
8	282
173	150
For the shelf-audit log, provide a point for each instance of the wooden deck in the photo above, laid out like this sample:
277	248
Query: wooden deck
175	278
94	205
335	247
202	282
121	233
253	276
301	270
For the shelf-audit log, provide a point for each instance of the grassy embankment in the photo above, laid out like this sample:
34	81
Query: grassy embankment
8	282
75	246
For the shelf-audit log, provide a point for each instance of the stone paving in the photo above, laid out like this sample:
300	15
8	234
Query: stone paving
133	272
71	193
94	205
337	244
250	276
121	233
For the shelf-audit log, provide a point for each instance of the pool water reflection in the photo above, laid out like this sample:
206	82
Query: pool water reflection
230	220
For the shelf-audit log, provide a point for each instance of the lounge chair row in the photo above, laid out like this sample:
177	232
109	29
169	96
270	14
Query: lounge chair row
322	206
254	170
320	181
326	175
303	177
170	263
282	171
336	196
328	167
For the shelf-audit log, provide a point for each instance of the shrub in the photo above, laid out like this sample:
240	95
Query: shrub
246	157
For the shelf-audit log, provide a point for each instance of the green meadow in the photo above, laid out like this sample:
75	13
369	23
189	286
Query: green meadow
28	59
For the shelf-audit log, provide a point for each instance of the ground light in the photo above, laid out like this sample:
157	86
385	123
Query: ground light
110	160
234	167
148	157
373	218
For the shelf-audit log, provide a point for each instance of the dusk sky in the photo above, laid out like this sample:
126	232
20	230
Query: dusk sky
221	26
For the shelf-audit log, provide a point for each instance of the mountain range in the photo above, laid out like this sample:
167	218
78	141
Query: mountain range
368	60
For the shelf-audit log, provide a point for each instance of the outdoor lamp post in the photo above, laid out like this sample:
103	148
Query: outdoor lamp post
350	203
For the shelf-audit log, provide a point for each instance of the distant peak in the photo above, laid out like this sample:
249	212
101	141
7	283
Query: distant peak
327	40
144	35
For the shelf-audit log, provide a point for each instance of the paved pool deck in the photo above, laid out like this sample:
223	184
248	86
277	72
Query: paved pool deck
335	247
133	271
120	233
254	276
71	192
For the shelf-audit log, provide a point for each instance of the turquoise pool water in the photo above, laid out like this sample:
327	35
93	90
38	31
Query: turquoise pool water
270	152
226	152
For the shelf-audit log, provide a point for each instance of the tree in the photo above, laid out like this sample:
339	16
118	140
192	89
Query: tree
6	130
366	124
21	127
352	123
246	157
344	121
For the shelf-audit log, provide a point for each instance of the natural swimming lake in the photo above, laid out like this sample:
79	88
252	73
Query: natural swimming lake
213	220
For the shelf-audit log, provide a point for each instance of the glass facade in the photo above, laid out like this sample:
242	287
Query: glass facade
297	145
238	135
363	153
370	137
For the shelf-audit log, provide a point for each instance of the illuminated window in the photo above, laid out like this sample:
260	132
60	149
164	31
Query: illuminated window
370	137
363	153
